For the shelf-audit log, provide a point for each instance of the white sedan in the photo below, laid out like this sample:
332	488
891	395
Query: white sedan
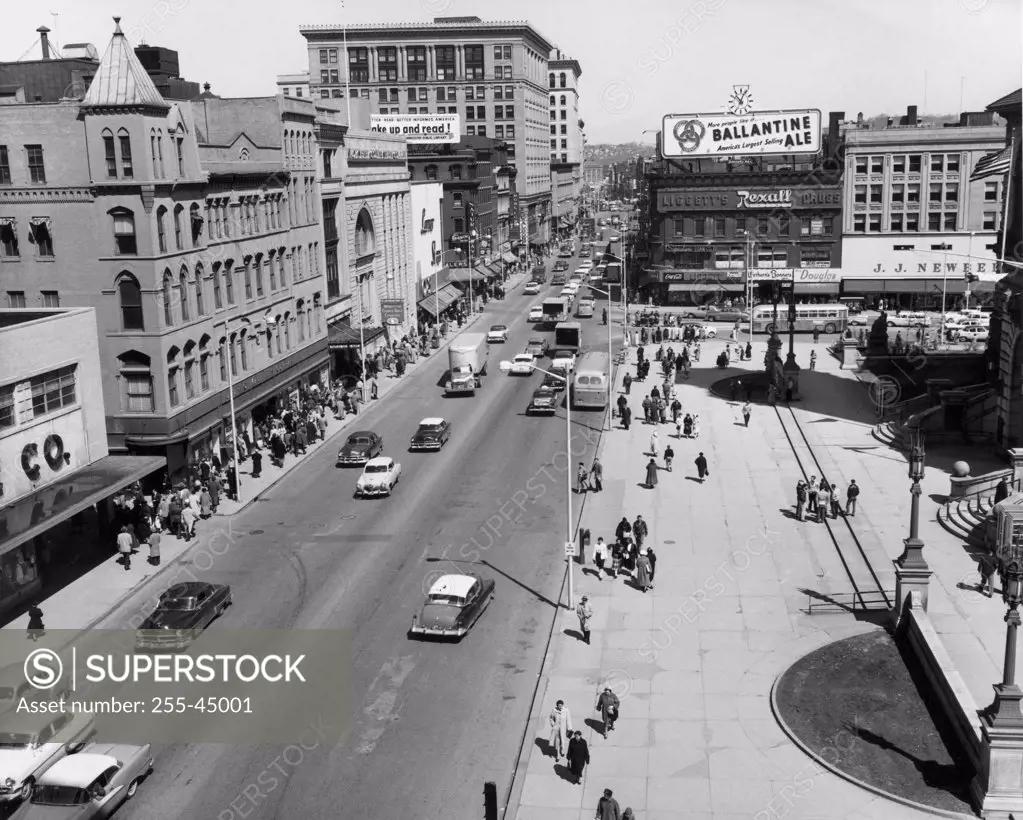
973	333
585	265
563	360
379	477
497	333
536	313
531	288
522	365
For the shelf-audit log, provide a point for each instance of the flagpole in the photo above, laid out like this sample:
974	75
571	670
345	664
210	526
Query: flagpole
1008	194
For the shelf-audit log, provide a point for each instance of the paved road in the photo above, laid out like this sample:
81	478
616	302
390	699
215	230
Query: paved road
430	722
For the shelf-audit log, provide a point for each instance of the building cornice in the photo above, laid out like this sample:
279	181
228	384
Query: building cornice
429	31
28	196
981	136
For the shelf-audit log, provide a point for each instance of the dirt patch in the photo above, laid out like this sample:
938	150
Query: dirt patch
858	704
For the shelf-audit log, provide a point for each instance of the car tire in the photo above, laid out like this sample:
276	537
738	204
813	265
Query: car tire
829	328
25	793
769	328
133	787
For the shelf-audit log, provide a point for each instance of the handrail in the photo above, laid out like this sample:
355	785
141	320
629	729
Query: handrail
1015	486
856	601
904	409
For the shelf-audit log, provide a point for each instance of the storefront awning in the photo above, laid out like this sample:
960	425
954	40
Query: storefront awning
35	513
950	286
437	302
510	258
340	337
705	287
816	287
460	276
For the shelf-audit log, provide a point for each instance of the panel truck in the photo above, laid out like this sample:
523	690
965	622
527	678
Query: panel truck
467	359
556	309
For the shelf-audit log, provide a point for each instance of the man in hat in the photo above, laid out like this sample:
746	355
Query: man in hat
584	612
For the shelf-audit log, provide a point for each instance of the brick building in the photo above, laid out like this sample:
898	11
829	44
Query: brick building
566	143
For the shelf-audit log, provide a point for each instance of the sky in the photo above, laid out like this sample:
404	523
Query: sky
640	60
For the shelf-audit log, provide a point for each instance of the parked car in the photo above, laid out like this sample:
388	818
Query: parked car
545	400
538	346
531	289
30	743
522	364
360	448
181	614
536	314
563	359
698	311
379	477
497	333
453	605
92	784
973	333
432	434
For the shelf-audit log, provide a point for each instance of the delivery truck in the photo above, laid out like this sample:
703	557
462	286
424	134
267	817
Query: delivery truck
556	309
467	362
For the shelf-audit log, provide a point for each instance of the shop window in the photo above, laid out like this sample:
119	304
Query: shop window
54	390
136	383
130	296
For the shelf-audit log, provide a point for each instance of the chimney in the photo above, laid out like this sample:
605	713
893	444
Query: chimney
911	118
206	87
834	128
44	41
859	119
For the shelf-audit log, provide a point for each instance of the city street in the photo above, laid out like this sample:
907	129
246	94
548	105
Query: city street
430	722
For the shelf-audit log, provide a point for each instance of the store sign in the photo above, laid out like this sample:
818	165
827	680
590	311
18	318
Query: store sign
392	311
798	275
419	128
459	238
361	149
751	199
939	268
707	276
764	199
759	132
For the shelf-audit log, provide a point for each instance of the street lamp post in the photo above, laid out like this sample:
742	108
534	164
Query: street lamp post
912	574
746	261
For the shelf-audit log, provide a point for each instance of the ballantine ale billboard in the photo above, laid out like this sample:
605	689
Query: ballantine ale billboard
725	135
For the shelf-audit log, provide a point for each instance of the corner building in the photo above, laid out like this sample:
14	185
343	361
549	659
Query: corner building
492	74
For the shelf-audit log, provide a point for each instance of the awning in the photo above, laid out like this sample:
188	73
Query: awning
35	513
441	300
952	286
816	287
705	287
510	258
460	276
340	337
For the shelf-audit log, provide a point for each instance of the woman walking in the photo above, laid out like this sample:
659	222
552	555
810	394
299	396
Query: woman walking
651	474
578	756
561	727
600	557
655	444
643	571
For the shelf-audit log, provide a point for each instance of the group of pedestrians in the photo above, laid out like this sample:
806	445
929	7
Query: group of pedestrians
819	498
628	555
174	511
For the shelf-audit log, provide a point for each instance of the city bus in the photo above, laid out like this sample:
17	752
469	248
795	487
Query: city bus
590	381
568	334
832	318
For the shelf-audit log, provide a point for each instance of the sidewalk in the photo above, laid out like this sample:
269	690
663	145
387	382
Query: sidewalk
694	660
84	602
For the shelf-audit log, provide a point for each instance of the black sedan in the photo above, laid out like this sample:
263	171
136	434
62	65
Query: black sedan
545	400
553	382
181	615
432	434
453	605
360	448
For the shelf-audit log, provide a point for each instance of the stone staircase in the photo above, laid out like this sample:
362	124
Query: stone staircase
966	518
890	434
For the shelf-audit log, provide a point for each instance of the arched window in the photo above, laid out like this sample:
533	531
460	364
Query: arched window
563	78
280	267
178	211
190	370
278	334
564	100
136	378
200	305
269	341
110	153
234	361
183	294
173	368
125	243
124	143
247	269
551	76
152	149
229	281
204	364
552	99
287	331
222	355
195	223
130	296
272	270
161	228
259	275
300	312
243	154
243	342
168	298
365	239
218	300
159	151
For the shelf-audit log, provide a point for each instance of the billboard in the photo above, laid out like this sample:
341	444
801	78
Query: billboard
419	128
731	135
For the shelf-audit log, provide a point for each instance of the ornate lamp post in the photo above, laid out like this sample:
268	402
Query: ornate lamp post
1005	711
911	570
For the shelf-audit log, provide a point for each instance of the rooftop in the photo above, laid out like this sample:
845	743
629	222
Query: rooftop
13	317
437	24
120	79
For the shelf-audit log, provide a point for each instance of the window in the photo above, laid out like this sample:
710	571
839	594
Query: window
110	153
416	60
137	381
877	165
172	381
459	224
550	79
497	52
991	191
445	57
189	370
481	92
456	171
874	223
200	304
699	227
243	347
861	165
509	112
456	199
280	267
564	143
365	238
499	72
323	55
934	222
5	166
40	236
912	222
124	234
937	163
763	226
229	280
335	76
195	223
183	294
16	299
896	223
499	132
950	222
332	55
509	133
913	192
474	63
54	390
358	65
498	92
860	194
935	192
875	193
498	112
784	226
412	95
915	163
899	164
564	114
719	227
36	167
563	79
259	274
859	223
898	193
951	163
247	266
951	192
507	52
387	59
481	131
180	145
178	209
990	221
234	363
204	366
431	172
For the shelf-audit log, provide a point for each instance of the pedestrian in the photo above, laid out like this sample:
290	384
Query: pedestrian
627	383
626	417
154	548
651	474
206	502
639	530
749	351
36	630
813	359
746	410
578	753
561	725
789	389
811	496
816	335
643	571
623	529
257	464
1001	491
696	352
647	408
597	475
687	426
655	444
600	557
608	706
124	547
669	456
622	404
374	389
823	500
582	478
608	808
987	566
676	411
215	490
187	530
852	494
701	467
584	612
661	411
801	500
301	439
651	556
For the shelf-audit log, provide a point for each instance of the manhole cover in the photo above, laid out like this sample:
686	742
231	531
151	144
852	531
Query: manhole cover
669	542
256	532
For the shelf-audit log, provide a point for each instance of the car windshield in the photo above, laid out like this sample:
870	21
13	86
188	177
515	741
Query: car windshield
499	327
358	441
15	740
178	604
429	428
59	796
376	468
450	600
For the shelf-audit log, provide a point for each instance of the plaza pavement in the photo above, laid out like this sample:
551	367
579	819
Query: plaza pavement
694	659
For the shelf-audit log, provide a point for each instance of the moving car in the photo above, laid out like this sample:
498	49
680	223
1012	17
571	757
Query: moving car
531	289
560	265
545	400
537	346
379	477
432	434
31	743
908	318
565	253
93	783
360	448
522	364
535	313
558	279
453	605
585	265
563	359
497	333
615	238
553	382
181	614
973	333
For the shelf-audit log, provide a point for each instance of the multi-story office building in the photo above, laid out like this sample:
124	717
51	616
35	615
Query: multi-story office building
297	85
193	230
493	75
566	142
913	222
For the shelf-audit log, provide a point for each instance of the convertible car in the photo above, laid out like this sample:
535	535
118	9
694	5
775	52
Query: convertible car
378	477
181	614
431	434
453	606
360	448
92	784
